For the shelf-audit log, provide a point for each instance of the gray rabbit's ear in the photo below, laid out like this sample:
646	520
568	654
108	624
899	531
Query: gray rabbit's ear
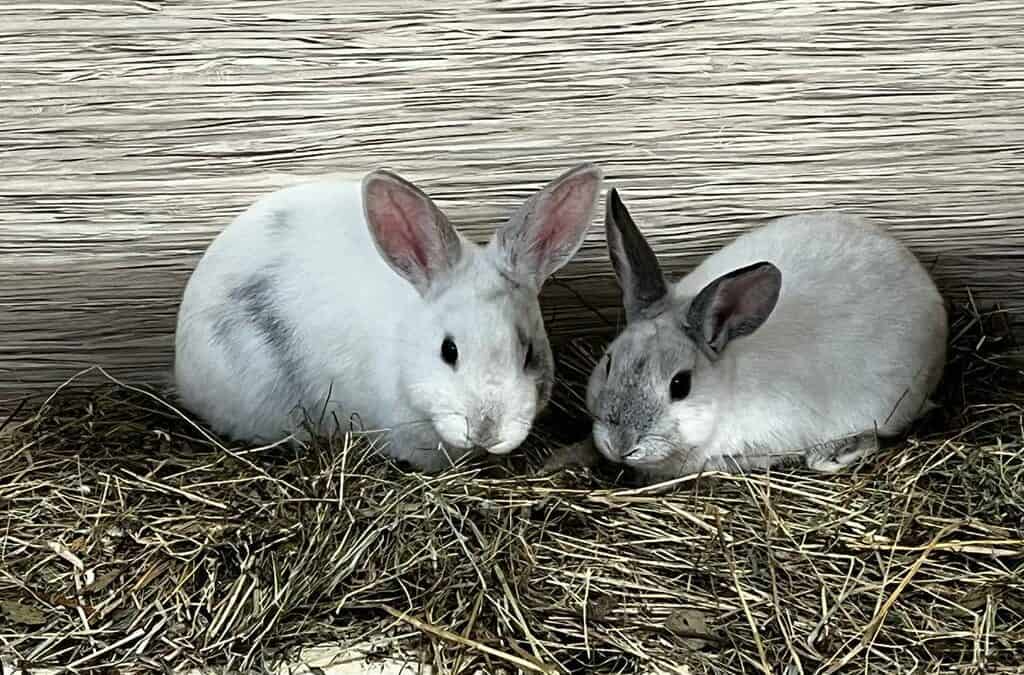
410	232
732	306
545	233
636	267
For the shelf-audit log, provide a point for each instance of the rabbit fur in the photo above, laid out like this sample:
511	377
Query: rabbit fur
807	336
334	301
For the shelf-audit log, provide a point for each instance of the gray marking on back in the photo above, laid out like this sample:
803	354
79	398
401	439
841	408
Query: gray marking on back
255	296
253	302
279	224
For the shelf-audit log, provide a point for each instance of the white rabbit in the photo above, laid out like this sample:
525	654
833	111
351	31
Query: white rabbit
359	302
806	336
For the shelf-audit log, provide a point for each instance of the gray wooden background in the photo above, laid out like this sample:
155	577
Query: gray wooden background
132	131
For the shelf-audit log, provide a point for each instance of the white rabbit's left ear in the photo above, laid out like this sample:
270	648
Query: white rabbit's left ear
733	305
549	228
410	232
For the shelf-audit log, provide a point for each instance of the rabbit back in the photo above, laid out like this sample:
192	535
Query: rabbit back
857	339
290	299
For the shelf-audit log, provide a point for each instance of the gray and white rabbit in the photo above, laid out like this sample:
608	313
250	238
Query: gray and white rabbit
807	336
359	302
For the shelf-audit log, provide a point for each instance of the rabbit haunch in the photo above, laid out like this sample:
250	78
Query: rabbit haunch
804	332
358	303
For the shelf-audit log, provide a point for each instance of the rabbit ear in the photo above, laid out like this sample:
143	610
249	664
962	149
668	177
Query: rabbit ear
733	305
636	267
411	233
548	229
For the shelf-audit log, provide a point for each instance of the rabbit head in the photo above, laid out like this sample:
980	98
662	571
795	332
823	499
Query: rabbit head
477	365
656	394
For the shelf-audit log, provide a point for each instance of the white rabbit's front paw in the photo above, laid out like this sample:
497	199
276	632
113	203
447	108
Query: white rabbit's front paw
834	456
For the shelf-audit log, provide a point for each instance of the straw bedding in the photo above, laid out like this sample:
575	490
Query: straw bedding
135	540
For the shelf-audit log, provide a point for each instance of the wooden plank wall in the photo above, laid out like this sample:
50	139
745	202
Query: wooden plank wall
132	131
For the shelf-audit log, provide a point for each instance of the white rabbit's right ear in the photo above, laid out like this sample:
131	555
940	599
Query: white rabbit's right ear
636	267
733	305
410	232
549	228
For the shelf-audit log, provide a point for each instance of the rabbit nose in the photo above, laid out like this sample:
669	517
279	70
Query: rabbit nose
486	432
624	442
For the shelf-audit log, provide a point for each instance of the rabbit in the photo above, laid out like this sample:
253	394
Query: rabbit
358	301
813	335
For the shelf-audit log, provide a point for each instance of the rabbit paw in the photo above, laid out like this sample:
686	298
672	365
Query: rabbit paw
834	456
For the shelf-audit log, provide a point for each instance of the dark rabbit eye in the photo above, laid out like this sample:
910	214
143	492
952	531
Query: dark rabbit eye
529	356
608	365
679	388
449	352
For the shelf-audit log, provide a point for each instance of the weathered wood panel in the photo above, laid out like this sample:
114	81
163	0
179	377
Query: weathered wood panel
131	132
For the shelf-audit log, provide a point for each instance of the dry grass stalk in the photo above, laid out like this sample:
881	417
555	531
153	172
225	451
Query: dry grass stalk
134	540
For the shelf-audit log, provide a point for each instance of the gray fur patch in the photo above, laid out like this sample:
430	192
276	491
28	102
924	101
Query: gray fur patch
255	297
279	224
637	412
253	305
635	395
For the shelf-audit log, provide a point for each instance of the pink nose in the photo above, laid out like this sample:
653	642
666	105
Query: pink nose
486	432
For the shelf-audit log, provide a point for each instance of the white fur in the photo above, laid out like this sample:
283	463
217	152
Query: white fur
339	319
855	343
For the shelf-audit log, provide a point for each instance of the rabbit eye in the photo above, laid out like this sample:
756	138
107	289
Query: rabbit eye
529	356
679	388
449	352
608	365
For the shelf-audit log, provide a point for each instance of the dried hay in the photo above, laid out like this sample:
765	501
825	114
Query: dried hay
134	540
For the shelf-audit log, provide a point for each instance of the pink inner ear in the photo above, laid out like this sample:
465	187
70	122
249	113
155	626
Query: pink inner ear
751	293
398	218
743	297
563	213
722	308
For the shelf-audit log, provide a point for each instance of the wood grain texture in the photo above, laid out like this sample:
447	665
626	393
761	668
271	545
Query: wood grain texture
131	132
